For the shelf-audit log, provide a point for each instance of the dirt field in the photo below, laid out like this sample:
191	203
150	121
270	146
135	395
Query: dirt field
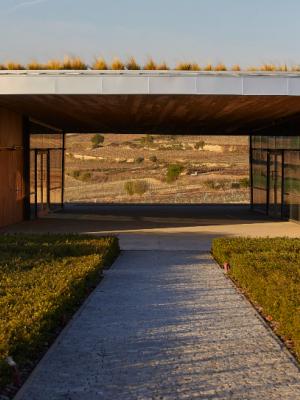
157	169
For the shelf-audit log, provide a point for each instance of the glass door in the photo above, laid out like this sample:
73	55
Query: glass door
42	169
275	181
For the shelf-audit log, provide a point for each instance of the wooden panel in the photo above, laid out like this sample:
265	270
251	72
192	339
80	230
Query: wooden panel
11	168
178	114
10	128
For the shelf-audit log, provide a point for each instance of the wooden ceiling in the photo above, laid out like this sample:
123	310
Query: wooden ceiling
165	114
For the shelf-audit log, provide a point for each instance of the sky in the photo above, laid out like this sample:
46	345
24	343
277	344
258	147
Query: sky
247	32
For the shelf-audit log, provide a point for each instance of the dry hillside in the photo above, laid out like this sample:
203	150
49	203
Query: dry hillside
133	168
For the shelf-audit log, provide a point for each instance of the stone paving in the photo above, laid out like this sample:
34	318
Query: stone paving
165	325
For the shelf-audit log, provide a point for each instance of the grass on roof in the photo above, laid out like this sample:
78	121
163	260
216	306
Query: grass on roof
100	64
163	67
185	66
132	65
74	63
150	65
117	64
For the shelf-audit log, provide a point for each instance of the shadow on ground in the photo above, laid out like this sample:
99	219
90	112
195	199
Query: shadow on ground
163	227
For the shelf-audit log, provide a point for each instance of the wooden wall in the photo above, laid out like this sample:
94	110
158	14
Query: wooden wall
12	188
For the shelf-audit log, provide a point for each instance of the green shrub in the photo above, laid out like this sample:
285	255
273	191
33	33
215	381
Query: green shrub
244	183
235	185
76	174
97	140
44	278
173	172
268	269
136	187
81	175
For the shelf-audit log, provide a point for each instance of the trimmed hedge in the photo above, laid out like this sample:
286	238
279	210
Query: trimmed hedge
43	280
268	269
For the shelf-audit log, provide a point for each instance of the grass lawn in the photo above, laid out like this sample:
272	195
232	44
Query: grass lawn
43	280
268	270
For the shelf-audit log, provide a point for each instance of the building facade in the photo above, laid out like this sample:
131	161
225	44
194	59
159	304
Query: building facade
38	107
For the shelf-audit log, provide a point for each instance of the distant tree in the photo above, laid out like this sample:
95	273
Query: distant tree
200	145
173	172
97	140
136	187
139	160
81	175
153	158
148	139
86	176
75	173
244	182
171	137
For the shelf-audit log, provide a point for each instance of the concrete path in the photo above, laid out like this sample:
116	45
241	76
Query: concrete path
173	227
165	325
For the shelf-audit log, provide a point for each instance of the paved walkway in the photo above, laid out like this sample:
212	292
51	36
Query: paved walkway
165	325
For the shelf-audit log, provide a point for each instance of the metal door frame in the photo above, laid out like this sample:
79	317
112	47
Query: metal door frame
276	153
41	152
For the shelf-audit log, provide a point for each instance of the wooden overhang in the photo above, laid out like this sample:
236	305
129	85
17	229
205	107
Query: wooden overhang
165	102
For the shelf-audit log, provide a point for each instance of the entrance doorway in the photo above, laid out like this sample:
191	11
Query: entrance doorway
275	184
42	182
46	173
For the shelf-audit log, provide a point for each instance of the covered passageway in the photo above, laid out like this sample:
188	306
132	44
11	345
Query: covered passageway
37	109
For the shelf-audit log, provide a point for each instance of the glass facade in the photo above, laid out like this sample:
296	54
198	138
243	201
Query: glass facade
46	172
275	175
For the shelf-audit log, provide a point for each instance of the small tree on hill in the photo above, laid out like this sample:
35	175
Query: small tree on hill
147	140
97	140
200	145
153	159
173	172
136	187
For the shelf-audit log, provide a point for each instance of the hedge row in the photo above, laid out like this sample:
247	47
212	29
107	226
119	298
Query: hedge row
268	269
43	280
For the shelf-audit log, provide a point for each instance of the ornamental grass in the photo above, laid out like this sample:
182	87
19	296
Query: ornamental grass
132	65
76	63
34	65
236	68
208	67
73	63
43	280
163	67
150	65
100	64
54	64
184	66
117	64
11	65
268	270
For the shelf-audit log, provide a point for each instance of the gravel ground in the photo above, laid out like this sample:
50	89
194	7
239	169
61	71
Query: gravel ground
165	325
